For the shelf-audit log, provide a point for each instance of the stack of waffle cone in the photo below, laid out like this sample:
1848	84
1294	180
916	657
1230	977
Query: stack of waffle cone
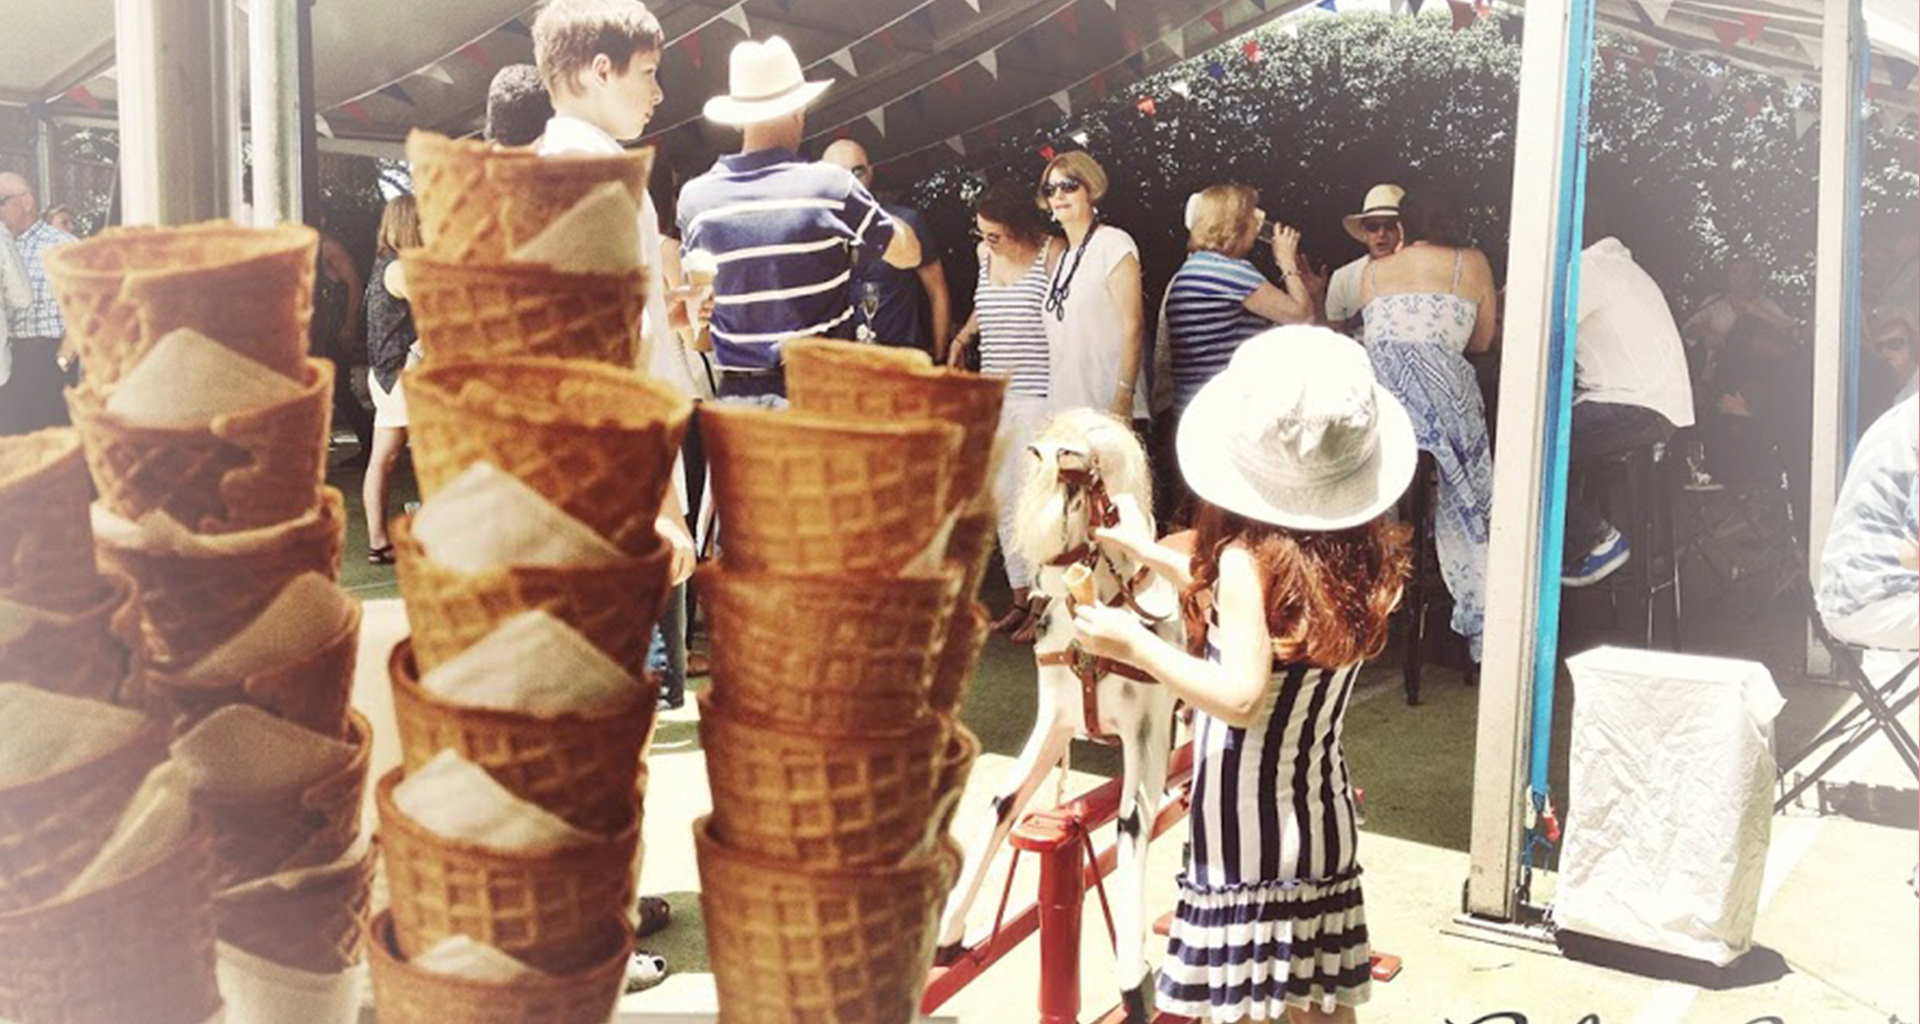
835	762
199	528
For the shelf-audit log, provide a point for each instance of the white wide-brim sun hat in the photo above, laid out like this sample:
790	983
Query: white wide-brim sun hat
764	83
1296	432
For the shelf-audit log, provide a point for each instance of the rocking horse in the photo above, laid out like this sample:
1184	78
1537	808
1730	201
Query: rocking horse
1077	467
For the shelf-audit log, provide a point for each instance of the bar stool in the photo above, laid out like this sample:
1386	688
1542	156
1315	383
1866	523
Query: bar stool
1636	490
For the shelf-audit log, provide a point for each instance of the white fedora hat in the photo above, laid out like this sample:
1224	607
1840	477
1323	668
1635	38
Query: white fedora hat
1382	201
763	83
1296	432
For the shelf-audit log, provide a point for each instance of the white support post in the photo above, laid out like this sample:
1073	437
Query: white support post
168	144
225	86
273	34
1521	489
43	162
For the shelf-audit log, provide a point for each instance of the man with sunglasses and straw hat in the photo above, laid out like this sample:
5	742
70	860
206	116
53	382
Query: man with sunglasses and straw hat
781	234
1376	226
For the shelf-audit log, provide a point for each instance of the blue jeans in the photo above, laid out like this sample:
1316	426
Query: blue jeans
667	654
1601	429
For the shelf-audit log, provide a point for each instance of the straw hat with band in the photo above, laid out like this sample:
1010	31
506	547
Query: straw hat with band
764	83
1382	201
1296	432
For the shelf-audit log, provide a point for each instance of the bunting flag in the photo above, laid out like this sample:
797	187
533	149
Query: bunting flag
1147	106
353	109
1181	88
1218	19
1047	153
517	27
992	132
1328	5
1649	53
696	50
395	92
1137	63
1251	50
737	17
1063	101
1753	24
975	4
878	118
1098	83
884	37
991	61
1398	7
1217	70
1113	5
320	125
951	81
1900	73
1176	41
1260	4
1803	120
84	96
785	6
1751	106
438	73
1729	33
1129	40
477	54
1463	14
958	145
1068	20
1415	5
1657	10
844	58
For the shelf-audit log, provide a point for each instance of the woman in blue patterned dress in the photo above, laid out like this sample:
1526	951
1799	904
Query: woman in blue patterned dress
1427	306
1294	453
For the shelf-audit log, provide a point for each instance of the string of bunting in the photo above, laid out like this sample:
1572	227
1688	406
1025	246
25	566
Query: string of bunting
471	51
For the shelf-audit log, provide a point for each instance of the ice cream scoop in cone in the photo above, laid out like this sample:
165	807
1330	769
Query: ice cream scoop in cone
46	543
406	994
468	311
250	289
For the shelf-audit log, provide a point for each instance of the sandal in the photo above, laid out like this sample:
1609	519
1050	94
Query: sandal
382	555
655	914
1029	630
644	971
1014	620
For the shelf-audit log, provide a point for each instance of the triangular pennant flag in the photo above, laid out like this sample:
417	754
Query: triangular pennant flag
1729	33
737	17
1900	73
1888	119
1176	41
1217	70
477	54
84	96
1047	153
1146	105
1752	24
975	4
878	118
1657	10
924	15
696	50
1463	14
517	27
1068	20
1802	121
957	144
1397	6
992	132
844	58
884	37
1328	5
353	109
844	131
1129	40
1098	83
320	125
1218	19
1261	4
1751	106
1649	53
991	61
1137	63
784	5
393	91
1181	88
438	73
951	81
111	74
1251	50
1063	101
1113	5
1415	5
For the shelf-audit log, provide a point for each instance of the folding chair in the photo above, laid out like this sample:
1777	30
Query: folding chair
1881	704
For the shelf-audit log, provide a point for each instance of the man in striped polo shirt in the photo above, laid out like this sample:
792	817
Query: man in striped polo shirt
784	233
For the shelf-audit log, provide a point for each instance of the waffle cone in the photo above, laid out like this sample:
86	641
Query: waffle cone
312	692
78	655
245	471
138	949
404	994
479	311
971	545
963	749
807	494
793	943
829	799
253	839
585	769
478	203
250	289
596	441
549	908
183	607
317	925
46	540
51	827
826	651
958	658
613	605
868	383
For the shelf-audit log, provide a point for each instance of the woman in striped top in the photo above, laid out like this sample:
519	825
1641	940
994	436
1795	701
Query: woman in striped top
1296	454
1016	254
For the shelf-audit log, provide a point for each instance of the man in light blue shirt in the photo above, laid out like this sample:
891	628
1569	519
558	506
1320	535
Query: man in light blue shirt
1869	591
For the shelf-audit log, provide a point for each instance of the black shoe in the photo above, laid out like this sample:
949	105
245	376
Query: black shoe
673	701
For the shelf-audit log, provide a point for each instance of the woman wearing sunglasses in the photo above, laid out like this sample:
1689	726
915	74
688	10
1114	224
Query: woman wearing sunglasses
1092	310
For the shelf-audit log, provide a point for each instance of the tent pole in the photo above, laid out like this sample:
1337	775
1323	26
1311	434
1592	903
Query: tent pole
1836	317
169	135
273	38
225	156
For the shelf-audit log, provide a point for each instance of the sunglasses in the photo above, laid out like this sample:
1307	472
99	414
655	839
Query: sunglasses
1069	186
989	237
1375	227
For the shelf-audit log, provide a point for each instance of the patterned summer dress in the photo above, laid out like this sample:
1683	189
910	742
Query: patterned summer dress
1270	913
1417	341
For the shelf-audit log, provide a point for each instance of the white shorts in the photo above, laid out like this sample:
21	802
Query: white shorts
390	407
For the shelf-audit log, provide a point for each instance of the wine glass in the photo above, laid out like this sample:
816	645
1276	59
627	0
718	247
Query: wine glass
869	305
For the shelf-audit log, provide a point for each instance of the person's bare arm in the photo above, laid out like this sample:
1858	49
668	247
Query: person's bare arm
903	249
1479	283
968	336
1293	302
933	278
1123	288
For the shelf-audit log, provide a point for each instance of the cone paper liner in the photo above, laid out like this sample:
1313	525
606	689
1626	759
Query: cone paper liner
830	947
823	799
478	203
466	311
826	651
78	655
548	908
184	606
596	441
246	471
318	924
138	949
313	691
802	493
585	769
867	382
958	658
404	994
615	605
971	545
254	838
250	289
51	827
46	537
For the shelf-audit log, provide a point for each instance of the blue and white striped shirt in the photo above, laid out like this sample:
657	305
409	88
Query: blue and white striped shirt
785	234
41	319
1206	318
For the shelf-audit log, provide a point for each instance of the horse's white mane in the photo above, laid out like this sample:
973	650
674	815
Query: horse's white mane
1116	454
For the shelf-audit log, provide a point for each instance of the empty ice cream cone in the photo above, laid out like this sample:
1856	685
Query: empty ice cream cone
254	838
77	654
52	826
971	545
480	203
406	994
46	542
958	658
468	311
315	922
312	691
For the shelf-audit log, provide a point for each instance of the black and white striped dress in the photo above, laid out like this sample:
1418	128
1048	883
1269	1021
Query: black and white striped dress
1270	913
